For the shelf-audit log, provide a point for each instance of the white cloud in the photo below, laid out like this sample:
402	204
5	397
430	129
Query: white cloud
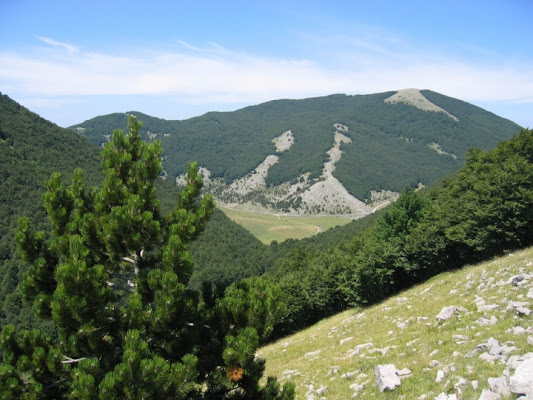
54	43
218	75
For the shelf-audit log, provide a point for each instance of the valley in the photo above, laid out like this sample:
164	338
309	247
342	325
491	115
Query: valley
268	227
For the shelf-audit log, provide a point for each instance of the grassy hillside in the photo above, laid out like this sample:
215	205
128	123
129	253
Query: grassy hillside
393	145
341	352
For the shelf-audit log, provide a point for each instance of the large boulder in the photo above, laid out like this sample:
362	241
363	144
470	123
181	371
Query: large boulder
386	377
522	380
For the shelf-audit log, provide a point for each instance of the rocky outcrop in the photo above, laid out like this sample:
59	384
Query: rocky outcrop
324	196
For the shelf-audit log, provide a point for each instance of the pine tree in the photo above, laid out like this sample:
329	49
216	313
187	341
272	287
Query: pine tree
113	276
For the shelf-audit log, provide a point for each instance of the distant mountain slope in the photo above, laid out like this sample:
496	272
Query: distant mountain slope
389	141
461	333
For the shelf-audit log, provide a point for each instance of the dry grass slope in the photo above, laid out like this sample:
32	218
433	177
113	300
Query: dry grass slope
335	359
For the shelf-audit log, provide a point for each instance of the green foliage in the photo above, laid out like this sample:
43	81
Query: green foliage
97	294
31	148
483	211
389	150
226	252
113	279
31	365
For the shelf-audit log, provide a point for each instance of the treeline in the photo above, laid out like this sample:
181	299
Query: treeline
485	210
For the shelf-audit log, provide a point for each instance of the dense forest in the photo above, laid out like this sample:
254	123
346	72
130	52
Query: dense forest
111	278
31	148
390	147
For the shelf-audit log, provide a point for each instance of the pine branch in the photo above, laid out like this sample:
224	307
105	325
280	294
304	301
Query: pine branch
72	360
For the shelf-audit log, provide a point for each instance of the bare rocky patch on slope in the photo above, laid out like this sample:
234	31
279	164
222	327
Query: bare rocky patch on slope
323	196
415	98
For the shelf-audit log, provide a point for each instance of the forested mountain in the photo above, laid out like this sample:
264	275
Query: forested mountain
481	210
389	141
31	149
484	210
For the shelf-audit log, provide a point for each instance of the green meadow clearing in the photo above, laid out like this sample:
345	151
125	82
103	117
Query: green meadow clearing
270	227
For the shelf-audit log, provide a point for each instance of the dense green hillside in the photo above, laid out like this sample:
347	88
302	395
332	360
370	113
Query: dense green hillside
31	148
484	210
390	147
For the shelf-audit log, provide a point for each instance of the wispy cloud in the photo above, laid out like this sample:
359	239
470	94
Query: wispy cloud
215	74
55	43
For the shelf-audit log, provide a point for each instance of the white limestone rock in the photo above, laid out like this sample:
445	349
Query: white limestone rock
446	396
349	375
448	312
522	380
485	321
440	376
500	386
488	307
386	377
403	372
345	340
322	390
312	353
486	394
494	347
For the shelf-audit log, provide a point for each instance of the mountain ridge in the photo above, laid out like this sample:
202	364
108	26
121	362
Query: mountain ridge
394	140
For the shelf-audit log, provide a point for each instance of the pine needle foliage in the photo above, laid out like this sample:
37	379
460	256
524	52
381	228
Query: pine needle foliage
113	278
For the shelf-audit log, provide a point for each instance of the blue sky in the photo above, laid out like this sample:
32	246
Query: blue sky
70	61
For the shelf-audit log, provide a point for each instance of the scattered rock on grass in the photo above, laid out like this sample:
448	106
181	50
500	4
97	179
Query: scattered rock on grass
448	312
388	376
